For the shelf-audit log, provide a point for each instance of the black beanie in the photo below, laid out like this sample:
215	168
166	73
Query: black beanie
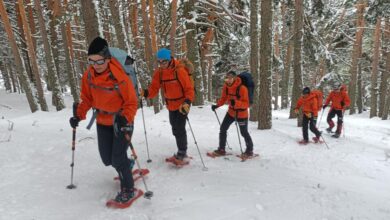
99	46
231	72
306	90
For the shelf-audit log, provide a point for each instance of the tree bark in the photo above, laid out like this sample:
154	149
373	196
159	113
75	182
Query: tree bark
68	61
386	72
152	27
88	12
150	60
359	98
288	44
172	34
33	58
356	54
22	74
374	74
115	19
53	24
193	54
276	69
297	61
134	23
58	101
254	57
265	97
386	106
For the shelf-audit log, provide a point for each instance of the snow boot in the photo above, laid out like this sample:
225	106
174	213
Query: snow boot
329	130
220	152
303	142
336	135
316	139
124	195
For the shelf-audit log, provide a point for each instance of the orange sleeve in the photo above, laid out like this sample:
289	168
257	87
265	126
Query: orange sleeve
347	100
314	107
243	102
299	103
129	100
185	81
223	98
155	85
85	96
329	98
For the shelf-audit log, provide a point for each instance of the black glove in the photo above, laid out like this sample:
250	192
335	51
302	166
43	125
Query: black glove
213	107
74	121
146	93
342	104
123	125
232	102
324	106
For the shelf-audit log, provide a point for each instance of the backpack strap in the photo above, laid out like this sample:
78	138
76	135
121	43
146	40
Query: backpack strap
162	82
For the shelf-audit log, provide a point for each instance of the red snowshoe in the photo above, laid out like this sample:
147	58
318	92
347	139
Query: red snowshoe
124	199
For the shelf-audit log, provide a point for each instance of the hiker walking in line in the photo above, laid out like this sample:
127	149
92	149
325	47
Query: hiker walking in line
309	104
340	101
173	78
107	89
236	96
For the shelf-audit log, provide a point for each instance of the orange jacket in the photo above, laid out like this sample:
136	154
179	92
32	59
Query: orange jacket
319	97
337	97
176	85
308	104
92	95
241	104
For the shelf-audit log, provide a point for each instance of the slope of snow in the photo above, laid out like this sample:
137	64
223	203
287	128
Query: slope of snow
288	181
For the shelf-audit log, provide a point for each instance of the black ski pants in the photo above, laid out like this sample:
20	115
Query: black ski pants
178	124
306	123
113	151
243	124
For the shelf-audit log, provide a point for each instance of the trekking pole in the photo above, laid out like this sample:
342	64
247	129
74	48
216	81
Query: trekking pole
71	185
219	122
200	155
148	194
325	142
146	137
319	122
238	133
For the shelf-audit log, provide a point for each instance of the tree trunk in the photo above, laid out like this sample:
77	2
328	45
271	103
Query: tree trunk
134	23
52	76
374	74
152	27
356	54
359	98
288	44
115	19
53	24
265	98
173	27
33	58
193	54
254	57
276	69
386	106
297	61
68	61
386	72
31	23
91	22
22	74
6	77
148	50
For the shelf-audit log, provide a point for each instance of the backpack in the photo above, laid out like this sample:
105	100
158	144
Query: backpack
127	64
188	67
319	96
247	81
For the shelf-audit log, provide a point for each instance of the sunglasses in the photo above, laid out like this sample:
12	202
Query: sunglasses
163	62
96	62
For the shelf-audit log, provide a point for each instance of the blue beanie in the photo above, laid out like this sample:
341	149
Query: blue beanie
164	54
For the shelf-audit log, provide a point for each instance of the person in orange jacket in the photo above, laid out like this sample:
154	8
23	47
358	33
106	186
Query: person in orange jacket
308	102
238	110
340	101
107	89
179	93
319	95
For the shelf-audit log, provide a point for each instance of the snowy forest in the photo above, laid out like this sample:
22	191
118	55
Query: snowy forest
284	44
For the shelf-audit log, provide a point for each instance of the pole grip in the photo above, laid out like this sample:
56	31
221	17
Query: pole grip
75	105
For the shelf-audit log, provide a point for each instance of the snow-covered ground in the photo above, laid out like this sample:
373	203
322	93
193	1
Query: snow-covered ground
351	180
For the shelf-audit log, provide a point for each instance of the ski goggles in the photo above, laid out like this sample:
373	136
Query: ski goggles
162	62
96	62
